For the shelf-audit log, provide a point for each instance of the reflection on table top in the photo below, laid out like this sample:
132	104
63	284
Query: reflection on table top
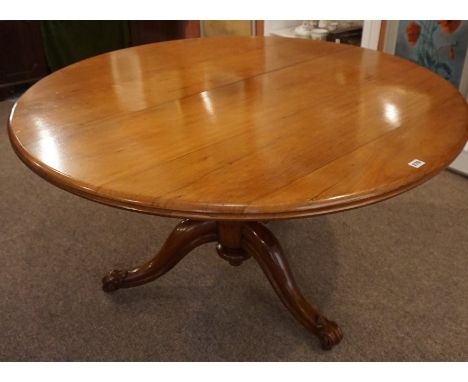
239	128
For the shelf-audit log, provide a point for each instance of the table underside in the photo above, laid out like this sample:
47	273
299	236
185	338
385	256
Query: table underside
236	241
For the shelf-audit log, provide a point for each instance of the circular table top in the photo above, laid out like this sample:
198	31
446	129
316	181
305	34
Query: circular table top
239	128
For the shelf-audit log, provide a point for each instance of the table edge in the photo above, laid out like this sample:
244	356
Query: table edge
291	212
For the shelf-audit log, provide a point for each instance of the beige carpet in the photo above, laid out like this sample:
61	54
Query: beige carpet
394	276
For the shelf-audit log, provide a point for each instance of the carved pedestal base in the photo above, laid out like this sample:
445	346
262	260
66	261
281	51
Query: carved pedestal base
237	241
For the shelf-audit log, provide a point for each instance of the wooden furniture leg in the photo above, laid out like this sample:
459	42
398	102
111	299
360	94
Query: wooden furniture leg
237	241
186	236
258	241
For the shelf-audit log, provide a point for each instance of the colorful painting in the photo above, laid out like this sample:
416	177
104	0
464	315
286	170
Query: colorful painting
438	45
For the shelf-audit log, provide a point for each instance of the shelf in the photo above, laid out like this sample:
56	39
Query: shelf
286	32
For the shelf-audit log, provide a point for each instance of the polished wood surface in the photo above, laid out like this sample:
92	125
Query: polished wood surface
239	128
237	241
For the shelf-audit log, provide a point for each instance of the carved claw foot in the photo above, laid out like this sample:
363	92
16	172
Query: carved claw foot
113	280
328	333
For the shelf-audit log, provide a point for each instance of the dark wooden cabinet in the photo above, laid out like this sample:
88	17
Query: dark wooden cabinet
22	58
350	35
145	32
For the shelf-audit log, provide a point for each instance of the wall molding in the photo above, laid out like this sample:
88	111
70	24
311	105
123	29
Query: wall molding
371	34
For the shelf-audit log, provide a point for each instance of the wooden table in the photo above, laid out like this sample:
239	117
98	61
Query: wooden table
230	132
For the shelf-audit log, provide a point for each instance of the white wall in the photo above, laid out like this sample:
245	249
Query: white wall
370	34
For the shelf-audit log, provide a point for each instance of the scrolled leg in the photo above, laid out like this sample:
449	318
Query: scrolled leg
258	241
186	236
328	332
236	242
113	280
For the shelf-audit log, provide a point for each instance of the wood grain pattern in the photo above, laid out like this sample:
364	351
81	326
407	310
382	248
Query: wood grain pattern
239	128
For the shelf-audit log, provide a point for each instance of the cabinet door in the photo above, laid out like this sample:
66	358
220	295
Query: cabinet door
145	32
22	57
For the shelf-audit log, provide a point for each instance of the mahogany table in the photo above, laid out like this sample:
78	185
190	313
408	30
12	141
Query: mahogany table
230	132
